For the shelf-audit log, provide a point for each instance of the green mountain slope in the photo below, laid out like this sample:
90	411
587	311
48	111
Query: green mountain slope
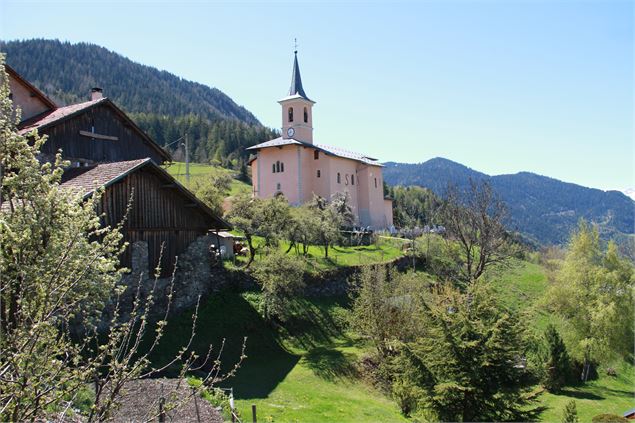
542	208
66	72
162	104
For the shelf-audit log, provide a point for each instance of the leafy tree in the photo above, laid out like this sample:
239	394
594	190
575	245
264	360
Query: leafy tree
244	215
558	365
464	357
267	218
281	278
476	221
303	228
329	221
570	413
274	216
341	206
383	306
212	190
58	269
592	292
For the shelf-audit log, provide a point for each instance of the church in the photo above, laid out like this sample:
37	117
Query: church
298	168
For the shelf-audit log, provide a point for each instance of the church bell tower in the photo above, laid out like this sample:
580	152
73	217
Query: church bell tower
297	119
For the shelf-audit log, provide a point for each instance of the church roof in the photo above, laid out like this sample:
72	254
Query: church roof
296	88
326	149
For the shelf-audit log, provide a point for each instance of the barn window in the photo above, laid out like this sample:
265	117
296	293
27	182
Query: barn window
316	155
339	178
306	115
290	114
352	179
318	173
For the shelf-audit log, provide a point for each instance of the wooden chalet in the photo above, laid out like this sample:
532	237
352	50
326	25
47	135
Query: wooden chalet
162	213
107	149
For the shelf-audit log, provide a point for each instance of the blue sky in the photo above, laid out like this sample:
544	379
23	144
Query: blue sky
500	86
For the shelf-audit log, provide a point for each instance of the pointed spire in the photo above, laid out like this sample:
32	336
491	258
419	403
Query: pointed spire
296	80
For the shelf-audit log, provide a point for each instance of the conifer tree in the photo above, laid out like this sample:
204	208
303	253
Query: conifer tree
558	362
570	413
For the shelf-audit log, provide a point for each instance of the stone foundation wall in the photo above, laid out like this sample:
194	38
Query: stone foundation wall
197	274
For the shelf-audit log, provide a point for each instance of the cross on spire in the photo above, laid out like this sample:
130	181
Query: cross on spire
295	46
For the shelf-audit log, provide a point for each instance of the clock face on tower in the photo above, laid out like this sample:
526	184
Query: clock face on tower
290	132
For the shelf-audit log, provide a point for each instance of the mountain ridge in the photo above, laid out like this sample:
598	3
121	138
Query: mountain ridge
88	65
543	208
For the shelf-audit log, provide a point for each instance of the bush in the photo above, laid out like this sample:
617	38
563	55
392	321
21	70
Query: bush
609	418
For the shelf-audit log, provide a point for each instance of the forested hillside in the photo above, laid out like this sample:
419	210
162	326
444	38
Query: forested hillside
544	209
163	104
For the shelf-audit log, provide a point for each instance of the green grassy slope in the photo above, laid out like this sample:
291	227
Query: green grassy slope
304	372
198	170
522	288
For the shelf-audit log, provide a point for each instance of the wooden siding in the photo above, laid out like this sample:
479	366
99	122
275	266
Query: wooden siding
130	145
158	215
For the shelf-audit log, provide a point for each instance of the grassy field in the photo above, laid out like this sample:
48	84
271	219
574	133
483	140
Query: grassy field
304	372
384	250
198	170
522	287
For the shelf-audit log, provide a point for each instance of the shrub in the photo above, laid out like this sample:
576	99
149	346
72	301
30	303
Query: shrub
609	418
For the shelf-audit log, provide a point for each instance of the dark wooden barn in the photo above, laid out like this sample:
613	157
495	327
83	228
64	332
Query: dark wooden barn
93	132
107	149
163	213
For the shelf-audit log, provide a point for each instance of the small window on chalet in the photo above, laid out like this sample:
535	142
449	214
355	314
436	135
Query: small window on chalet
352	179
316	155
318	173
339	178
375	182
290	114
306	115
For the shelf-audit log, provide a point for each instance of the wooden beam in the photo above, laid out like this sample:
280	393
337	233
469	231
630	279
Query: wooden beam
168	186
191	205
98	136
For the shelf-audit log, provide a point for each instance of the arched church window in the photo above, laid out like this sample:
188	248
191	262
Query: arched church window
278	166
316	155
290	114
306	115
352	179
375	182
278	186
318	173
339	178
282	167
273	167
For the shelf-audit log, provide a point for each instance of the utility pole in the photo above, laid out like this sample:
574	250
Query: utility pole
187	161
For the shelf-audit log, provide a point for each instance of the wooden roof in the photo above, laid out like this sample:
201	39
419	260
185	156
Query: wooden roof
86	180
61	114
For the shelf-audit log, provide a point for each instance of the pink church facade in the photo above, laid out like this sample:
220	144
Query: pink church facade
298	168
